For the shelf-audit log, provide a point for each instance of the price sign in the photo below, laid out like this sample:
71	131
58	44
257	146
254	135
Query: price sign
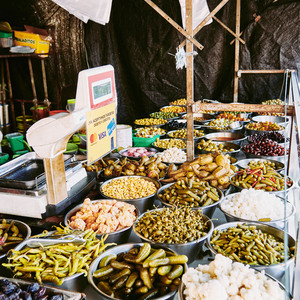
101	132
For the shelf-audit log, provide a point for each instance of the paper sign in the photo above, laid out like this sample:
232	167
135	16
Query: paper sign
101	132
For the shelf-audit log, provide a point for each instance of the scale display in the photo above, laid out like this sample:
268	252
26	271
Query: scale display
102	90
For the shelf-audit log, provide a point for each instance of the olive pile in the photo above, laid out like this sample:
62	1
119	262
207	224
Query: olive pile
189	192
249	245
150	122
169	143
272	102
220	124
272	135
12	290
164	115
261	164
214	147
182	133
172	225
232	116
177	124
264	126
174	109
181	101
264	147
147	132
141	273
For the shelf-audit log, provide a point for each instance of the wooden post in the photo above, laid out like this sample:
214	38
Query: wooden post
56	179
190	81
237	50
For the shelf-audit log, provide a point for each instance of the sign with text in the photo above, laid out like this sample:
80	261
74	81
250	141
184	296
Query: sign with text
101	132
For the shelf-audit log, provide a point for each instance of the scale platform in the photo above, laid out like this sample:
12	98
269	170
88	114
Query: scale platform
23	189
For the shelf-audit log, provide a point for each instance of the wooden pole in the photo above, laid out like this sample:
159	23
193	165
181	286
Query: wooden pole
263	108
237	50
190	81
208	17
189	36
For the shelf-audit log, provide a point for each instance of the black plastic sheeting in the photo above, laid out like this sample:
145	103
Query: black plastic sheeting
141	46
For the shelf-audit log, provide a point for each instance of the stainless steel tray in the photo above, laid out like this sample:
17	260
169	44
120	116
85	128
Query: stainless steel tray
26	172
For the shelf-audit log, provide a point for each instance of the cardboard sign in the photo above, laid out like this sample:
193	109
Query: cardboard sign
101	132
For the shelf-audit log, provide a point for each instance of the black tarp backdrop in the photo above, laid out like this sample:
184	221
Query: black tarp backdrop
139	44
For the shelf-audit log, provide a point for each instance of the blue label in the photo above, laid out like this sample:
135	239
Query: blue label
111	126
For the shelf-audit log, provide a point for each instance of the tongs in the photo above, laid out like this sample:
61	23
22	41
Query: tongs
75	237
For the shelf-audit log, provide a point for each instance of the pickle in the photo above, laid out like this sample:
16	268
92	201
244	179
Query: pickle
178	259
143	253
118	275
106	260
159	262
105	288
145	276
157	254
150	294
103	271
132	279
120	282
176	272
164	270
142	290
121	265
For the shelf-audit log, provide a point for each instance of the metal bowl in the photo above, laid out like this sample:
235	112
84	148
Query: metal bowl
76	282
172	107
204	118
275	119
245	162
122	152
277	193
234	146
206	210
190	249
279	223
232	137
275	270
23	228
181	295
142	204
252	131
162	149
117	250
235	127
118	237
196	139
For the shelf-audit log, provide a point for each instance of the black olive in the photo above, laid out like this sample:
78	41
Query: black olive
39	293
4	282
9	288
25	295
3	296
33	287
57	297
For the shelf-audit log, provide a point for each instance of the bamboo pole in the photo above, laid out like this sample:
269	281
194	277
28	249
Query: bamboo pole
237	50
190	81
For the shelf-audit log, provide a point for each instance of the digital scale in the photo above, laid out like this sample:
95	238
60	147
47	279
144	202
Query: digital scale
44	183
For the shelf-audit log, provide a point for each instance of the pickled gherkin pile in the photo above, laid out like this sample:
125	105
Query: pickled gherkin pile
141	273
172	225
249	245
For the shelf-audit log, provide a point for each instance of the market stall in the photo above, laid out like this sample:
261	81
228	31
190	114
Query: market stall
213	179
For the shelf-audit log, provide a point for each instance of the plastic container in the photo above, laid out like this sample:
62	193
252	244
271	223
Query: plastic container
3	158
54	112
16	141
21	152
70	105
143	142
71	148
